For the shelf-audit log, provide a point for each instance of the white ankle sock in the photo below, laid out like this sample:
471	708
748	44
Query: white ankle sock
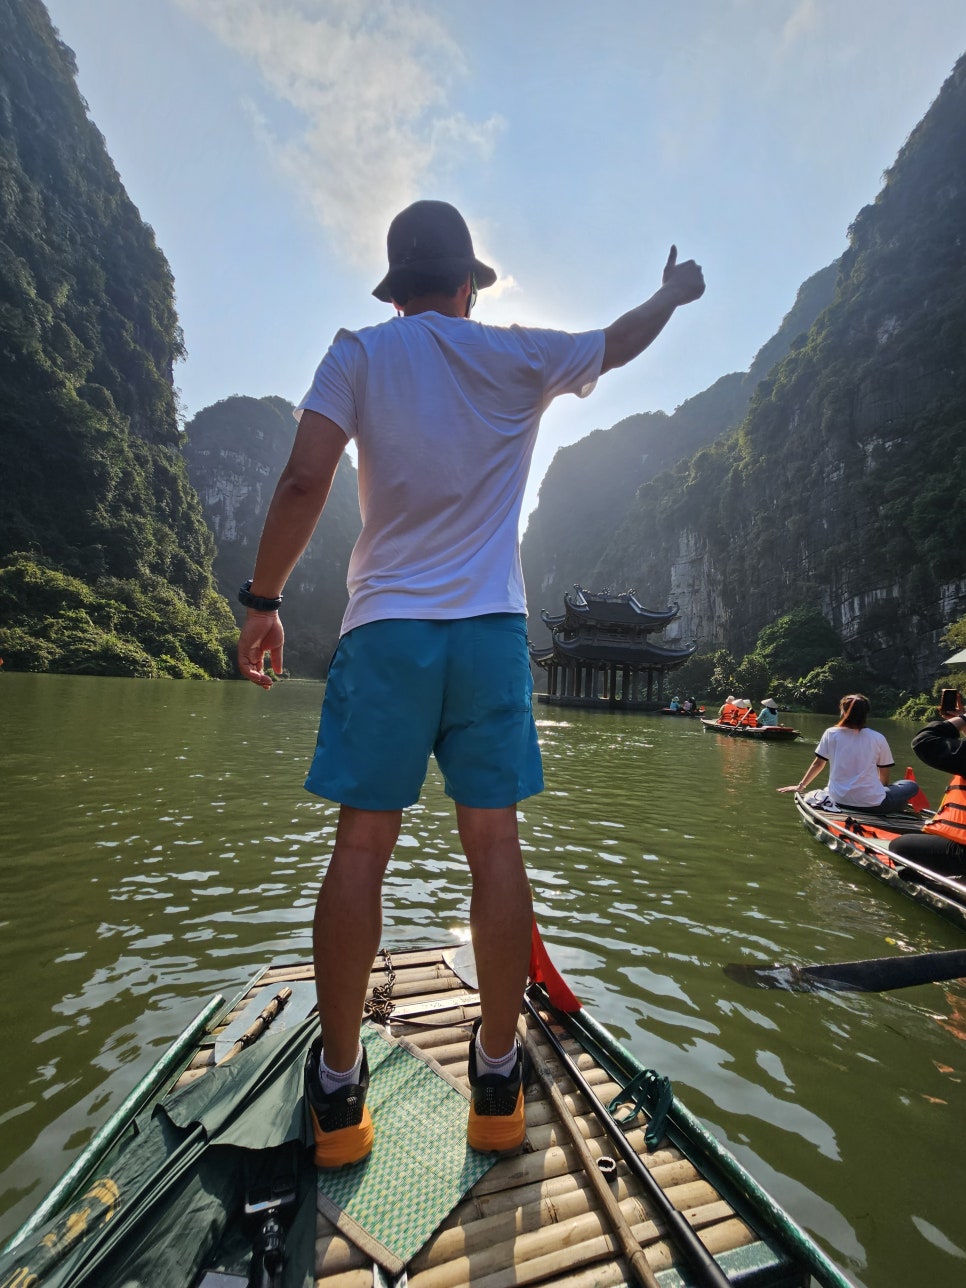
486	1064
332	1081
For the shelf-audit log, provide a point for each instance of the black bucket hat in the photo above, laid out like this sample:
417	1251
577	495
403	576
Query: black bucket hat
431	237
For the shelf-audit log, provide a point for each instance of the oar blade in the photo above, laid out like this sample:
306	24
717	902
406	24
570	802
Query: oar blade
874	975
787	978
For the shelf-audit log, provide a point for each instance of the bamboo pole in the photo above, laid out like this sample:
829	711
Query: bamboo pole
546	1191
349	1279
565	1213
571	1245
630	1247
334	1254
701	1260
258	1025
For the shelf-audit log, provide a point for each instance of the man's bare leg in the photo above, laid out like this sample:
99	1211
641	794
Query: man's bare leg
501	916
348	926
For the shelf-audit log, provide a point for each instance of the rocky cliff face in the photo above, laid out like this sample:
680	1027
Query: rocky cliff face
592	485
105	560
842	487
235	451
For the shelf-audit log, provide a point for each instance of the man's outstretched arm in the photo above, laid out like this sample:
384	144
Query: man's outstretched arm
299	499
634	331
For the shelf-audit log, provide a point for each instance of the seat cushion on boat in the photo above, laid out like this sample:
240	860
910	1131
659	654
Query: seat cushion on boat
420	1166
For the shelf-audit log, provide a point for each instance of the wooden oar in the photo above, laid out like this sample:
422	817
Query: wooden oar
874	975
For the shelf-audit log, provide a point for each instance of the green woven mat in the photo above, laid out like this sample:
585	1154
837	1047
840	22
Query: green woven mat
420	1166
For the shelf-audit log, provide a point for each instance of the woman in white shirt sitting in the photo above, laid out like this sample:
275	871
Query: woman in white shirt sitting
859	761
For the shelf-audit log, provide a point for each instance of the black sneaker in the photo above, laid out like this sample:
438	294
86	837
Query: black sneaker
340	1120
497	1122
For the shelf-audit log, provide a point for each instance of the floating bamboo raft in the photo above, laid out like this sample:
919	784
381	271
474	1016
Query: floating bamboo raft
541	1216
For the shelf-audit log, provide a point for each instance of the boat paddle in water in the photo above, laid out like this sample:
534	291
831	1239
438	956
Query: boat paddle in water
874	975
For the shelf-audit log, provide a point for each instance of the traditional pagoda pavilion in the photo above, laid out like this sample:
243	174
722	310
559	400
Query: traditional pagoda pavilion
601	652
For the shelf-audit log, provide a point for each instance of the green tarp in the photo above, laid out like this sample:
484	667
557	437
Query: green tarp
170	1196
167	1202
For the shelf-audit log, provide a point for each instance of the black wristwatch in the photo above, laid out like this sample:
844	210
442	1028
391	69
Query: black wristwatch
259	602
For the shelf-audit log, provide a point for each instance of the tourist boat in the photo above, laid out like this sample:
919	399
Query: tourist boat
864	840
691	715
616	1183
765	733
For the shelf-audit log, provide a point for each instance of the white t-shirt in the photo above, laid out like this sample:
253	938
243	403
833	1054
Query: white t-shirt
445	413
855	757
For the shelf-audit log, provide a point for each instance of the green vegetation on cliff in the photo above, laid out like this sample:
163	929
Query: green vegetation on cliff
842	489
593	484
104	553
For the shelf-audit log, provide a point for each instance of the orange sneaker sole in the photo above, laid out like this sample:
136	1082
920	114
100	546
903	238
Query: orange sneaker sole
497	1133
345	1146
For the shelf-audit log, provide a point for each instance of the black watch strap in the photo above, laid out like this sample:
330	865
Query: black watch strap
259	602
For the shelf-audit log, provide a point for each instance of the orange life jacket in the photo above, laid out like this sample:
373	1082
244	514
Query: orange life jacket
730	713
950	819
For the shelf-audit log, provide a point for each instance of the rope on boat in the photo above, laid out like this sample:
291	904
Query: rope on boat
650	1091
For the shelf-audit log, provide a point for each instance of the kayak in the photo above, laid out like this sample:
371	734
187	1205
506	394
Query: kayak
204	1177
864	840
764	733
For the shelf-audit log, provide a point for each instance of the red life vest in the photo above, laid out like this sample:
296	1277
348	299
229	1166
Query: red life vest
950	819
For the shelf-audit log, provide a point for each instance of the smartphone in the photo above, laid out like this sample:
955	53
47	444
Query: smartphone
950	702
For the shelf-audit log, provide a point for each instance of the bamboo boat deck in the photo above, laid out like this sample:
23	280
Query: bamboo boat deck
534	1217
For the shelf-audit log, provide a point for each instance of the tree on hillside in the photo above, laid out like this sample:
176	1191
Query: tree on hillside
797	642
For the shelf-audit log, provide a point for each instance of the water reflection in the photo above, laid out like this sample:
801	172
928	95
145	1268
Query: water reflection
160	848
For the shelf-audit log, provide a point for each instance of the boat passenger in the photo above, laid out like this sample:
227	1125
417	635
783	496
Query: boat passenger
768	715
444	412
675	704
858	760
746	717
729	711
941	845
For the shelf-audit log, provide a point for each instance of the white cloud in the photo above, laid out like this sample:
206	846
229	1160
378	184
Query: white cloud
806	22
371	86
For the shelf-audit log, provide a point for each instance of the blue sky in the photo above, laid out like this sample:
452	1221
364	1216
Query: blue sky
269	143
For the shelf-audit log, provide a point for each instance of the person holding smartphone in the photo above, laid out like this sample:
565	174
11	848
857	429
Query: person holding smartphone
941	845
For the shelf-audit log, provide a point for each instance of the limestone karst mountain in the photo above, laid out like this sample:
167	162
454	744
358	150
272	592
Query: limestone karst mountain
842	487
235	451
105	559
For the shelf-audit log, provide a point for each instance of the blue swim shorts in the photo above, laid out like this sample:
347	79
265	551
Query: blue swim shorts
399	691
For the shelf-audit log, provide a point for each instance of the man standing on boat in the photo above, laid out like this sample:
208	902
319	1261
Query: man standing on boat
432	657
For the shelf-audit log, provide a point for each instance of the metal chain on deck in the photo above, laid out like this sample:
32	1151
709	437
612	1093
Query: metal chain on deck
380	1006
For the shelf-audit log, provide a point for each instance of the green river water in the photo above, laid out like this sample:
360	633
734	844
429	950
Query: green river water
158	848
